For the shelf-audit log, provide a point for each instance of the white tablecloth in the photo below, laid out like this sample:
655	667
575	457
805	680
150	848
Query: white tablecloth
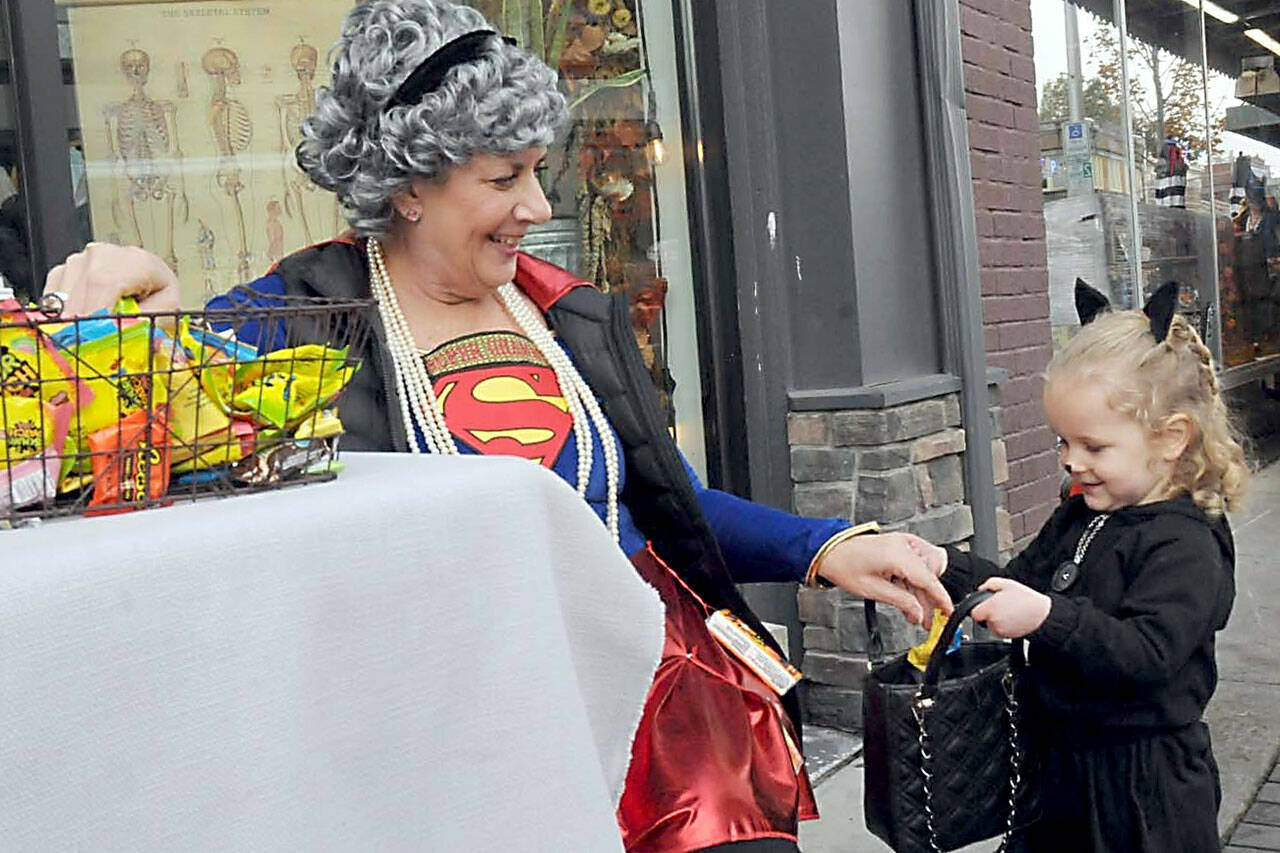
427	654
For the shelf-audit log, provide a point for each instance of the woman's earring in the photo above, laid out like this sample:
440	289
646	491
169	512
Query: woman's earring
412	215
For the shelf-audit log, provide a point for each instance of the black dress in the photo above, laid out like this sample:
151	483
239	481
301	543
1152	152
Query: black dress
1119	675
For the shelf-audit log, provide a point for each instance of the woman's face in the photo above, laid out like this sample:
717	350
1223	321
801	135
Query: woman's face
473	222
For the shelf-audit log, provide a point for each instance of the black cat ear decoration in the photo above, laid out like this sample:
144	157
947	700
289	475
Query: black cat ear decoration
1160	307
1089	302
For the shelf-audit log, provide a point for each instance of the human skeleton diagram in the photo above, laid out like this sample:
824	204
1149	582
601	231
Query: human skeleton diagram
142	145
232	133
291	109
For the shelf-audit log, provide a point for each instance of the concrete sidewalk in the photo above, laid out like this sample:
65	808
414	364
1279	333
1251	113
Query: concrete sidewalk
1244	715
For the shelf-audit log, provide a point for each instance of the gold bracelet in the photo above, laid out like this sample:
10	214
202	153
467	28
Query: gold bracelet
811	577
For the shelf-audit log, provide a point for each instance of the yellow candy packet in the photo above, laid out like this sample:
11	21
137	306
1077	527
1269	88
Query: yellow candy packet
26	428
32	432
918	656
308	359
199	431
324	424
281	399
31	367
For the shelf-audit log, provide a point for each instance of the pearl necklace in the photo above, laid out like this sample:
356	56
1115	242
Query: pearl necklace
419	406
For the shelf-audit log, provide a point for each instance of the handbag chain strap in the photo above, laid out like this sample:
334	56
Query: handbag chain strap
919	709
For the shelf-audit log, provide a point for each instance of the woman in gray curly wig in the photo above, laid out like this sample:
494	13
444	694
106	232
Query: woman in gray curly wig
431	135
368	148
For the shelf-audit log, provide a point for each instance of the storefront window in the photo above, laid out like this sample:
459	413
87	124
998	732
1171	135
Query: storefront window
1086	179
15	245
1204	102
1248	168
189	112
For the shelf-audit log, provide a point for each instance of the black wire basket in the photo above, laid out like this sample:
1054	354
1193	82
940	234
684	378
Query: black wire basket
123	410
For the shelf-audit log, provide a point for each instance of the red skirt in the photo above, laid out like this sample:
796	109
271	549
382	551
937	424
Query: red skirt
711	762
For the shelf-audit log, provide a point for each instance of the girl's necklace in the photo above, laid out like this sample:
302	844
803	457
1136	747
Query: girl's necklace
420	411
1069	570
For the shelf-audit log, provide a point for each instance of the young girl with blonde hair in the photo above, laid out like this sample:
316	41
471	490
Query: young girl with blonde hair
1120	594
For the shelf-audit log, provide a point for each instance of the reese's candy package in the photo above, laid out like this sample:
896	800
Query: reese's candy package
130	463
32	433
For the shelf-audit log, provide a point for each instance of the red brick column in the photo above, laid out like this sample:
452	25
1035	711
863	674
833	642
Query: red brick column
1000	98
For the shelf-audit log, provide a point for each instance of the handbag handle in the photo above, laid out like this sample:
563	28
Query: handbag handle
934	670
875	642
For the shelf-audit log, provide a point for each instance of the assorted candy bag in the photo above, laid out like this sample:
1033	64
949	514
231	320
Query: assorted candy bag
116	407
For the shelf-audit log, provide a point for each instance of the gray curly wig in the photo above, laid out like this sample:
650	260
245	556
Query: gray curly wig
505	101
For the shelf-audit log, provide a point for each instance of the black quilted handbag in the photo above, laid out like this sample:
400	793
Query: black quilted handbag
943	757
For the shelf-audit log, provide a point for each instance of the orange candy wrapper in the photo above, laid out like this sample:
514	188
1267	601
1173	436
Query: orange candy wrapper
130	462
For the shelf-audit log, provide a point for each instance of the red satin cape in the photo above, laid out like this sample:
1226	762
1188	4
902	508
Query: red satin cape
710	762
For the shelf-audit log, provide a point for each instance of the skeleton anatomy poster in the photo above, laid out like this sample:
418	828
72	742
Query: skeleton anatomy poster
189	116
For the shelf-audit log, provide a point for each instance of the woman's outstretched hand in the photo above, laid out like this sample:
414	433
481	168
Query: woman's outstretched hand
103	273
886	567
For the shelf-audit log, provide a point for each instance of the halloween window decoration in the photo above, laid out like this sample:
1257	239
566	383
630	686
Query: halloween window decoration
600	177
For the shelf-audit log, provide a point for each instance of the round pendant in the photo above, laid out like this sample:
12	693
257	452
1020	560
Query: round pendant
1064	576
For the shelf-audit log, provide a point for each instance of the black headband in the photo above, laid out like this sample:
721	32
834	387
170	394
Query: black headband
428	76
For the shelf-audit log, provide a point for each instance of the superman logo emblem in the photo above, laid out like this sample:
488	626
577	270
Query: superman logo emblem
510	410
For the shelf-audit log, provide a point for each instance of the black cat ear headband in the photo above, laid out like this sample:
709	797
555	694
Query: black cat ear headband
1159	308
428	76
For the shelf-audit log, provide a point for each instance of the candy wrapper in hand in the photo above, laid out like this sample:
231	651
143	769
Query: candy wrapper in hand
32	434
130	463
918	656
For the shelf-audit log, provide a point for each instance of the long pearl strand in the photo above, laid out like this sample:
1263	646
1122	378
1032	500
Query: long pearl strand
416	394
417	399
575	389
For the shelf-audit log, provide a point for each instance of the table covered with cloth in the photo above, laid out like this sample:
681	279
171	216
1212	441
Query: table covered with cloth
427	653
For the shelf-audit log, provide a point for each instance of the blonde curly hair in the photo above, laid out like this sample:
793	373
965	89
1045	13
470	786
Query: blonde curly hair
1152	381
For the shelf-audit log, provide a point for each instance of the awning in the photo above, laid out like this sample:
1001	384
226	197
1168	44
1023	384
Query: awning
1173	26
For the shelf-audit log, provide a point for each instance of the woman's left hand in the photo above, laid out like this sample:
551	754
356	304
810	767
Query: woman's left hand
886	568
1014	611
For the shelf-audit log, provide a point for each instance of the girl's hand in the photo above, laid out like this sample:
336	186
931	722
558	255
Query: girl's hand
1014	611
886	568
103	273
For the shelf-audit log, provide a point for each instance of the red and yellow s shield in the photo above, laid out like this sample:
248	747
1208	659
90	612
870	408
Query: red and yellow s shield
509	410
